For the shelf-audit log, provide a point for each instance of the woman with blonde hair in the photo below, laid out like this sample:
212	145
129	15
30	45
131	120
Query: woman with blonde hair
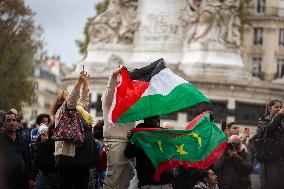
74	160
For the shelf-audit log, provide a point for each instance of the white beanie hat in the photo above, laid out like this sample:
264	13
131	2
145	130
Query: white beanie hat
42	128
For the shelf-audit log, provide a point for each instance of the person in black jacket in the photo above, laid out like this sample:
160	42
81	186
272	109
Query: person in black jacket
270	153
1	122
15	154
44	160
144	167
234	167
182	178
86	157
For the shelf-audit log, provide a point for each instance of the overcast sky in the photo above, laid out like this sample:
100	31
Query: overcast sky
63	22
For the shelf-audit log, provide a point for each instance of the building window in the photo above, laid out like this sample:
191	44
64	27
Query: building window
280	68
219	110
281	37
260	6
217	107
34	114
34	99
194	111
36	72
47	106
248	113
99	110
36	85
256	67
257	40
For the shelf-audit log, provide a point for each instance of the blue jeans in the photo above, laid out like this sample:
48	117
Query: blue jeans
101	178
46	181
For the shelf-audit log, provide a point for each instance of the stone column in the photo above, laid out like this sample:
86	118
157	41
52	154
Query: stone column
160	32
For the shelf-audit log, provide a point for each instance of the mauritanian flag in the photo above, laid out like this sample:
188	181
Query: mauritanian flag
149	91
198	147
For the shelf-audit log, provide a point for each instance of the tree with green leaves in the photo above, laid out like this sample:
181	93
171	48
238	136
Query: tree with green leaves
19	42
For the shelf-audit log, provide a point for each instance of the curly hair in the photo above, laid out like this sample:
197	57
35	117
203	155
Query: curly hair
40	117
98	129
58	102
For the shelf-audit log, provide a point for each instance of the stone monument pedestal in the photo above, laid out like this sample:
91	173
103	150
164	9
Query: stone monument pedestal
102	59
216	63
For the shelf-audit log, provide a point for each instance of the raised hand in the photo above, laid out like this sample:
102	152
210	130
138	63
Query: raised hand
282	110
87	78
82	76
245	136
116	72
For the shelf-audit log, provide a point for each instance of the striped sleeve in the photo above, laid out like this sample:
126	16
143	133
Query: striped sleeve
84	98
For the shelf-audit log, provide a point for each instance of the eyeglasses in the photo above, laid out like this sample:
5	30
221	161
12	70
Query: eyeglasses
10	120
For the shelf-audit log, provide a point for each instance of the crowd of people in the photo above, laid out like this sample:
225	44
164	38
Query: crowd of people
103	157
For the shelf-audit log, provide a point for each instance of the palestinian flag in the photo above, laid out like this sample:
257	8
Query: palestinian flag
198	147
149	91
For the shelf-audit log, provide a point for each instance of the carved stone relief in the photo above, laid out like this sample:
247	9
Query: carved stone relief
116	24
210	22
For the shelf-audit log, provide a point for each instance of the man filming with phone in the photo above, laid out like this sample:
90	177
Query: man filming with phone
234	167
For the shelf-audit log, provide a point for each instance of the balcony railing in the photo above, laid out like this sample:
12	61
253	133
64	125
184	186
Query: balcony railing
267	11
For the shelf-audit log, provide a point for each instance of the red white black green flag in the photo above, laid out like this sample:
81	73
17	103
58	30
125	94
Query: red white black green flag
149	91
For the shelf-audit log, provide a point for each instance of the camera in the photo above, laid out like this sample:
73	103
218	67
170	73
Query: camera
232	146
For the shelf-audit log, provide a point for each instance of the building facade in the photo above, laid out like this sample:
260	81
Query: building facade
47	77
263	42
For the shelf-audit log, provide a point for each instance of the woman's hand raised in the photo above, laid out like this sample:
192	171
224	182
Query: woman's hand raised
116	72
282	110
82	76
